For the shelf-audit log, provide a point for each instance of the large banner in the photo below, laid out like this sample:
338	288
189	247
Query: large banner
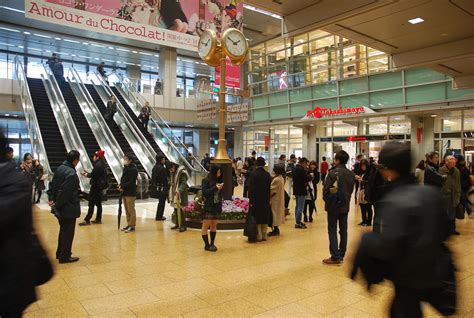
174	23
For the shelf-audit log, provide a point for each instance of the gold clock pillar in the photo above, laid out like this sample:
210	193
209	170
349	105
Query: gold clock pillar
222	156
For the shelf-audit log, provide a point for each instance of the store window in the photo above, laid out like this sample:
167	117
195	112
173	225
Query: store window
377	126
469	120
400	125
449	121
344	129
378	63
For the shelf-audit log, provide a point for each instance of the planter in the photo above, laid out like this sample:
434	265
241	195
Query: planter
222	225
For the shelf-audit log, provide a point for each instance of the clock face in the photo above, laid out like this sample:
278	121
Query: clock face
235	43
205	45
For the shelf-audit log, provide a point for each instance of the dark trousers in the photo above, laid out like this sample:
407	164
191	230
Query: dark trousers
95	199
160	209
246	191
145	122
323	177
67	228
366	210
406	303
309	204
338	251
59	79
356	188
465	203
377	218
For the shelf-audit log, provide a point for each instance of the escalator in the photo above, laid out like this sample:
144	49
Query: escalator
85	131
134	117
114	128
54	145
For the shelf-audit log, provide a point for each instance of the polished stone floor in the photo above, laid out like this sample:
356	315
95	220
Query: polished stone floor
157	272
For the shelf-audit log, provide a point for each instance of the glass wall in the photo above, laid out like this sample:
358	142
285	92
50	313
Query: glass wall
310	58
17	135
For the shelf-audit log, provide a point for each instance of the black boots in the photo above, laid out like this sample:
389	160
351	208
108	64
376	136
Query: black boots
275	232
210	247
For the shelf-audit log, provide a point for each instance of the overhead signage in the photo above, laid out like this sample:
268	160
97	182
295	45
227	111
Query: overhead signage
237	113
207	110
320	112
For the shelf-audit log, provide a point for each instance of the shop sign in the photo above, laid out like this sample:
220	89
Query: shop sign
237	113
206	110
320	112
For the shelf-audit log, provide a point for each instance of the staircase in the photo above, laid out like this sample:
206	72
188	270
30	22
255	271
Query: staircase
53	143
137	121
85	131
114	128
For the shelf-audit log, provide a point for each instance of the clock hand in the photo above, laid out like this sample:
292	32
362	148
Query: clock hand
208	42
233	42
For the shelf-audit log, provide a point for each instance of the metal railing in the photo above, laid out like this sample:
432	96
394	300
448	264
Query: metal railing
37	143
139	144
102	133
71	137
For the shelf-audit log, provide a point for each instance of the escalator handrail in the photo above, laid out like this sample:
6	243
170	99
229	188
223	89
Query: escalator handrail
192	168
107	135
150	152
31	123
71	137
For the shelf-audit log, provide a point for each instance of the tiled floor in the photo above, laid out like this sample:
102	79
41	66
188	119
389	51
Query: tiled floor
158	272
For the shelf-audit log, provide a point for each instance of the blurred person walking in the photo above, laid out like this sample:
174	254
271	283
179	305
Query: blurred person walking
465	206
290	166
451	190
247	171
212	191
24	262
39	180
277	199
411	249
64	200
99	183
128	190
259	195
337	194
365	205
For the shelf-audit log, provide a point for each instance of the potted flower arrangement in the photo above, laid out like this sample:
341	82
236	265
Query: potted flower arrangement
233	214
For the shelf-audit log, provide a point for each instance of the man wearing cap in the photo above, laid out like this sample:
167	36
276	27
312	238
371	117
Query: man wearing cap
99	182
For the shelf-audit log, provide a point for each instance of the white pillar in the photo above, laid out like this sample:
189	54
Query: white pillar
204	142
238	142
418	150
168	74
309	143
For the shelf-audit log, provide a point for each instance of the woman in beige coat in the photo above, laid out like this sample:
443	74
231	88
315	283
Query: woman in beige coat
277	199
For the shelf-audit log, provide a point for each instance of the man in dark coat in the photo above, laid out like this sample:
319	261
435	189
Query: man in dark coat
451	190
98	183
17	287
300	184
344	180
259	195
58	71
128	188
64	199
465	183
358	172
160	184
51	61
432	175
410	251
111	109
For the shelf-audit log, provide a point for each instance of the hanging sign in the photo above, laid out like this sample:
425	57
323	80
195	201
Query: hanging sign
237	113
206	110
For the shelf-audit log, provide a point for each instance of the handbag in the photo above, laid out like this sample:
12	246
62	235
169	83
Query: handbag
250	228
361	197
43	269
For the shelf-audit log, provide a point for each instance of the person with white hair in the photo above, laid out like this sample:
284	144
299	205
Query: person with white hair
451	190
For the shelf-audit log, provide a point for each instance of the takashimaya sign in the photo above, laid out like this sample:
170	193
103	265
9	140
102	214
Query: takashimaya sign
320	112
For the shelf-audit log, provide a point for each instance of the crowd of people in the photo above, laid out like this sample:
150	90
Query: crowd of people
401	205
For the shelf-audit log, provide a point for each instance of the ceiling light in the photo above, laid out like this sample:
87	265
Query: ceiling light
111	48
8	29
301	41
27	33
434	115
188	61
135	52
72	41
6	44
73	54
34	49
84	57
156	55
43	36
252	8
48	51
21	47
96	58
144	53
59	39
85	43
119	62
178	59
12	9
416	20
139	65
124	50
97	45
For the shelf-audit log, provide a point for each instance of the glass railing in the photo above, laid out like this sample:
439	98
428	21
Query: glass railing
72	139
37	144
140	146
171	145
102	133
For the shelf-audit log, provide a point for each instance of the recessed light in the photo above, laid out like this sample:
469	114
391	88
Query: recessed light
111	48
27	33
8	29
59	39
97	45
42	36
12	9
73	54
85	43
145	53
434	115
134	52
416	20
124	50
72	41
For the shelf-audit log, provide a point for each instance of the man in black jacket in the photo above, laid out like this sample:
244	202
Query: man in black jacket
128	188
300	183
98	184
160	185
63	196
259	195
410	251
344	180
